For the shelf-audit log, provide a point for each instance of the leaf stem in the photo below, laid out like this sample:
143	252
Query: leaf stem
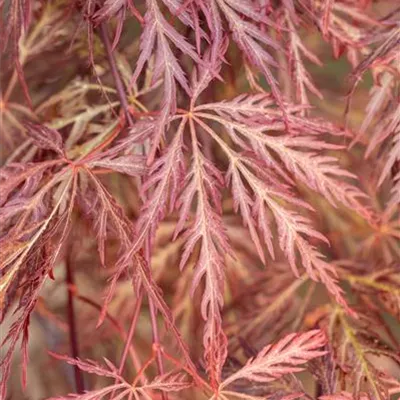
125	106
131	332
154	327
73	337
128	342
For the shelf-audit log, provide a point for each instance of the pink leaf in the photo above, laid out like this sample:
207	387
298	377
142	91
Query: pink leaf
46	138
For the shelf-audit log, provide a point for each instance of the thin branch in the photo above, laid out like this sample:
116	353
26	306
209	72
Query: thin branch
124	102
117	326
131	332
156	337
73	337
128	341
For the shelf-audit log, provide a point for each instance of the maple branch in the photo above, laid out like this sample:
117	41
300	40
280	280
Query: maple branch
131	332
125	106
114	323
128	341
156	341
73	337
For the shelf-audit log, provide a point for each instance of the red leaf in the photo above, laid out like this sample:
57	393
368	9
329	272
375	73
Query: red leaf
45	138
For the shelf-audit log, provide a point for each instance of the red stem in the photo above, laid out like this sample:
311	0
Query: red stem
131	332
73	337
125	106
128	340
116	325
154	327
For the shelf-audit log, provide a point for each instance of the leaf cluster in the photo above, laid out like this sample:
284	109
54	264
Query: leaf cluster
175	169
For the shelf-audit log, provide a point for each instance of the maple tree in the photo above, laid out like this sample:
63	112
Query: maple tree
175	169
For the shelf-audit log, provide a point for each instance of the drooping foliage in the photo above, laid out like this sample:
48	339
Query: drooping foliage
194	193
